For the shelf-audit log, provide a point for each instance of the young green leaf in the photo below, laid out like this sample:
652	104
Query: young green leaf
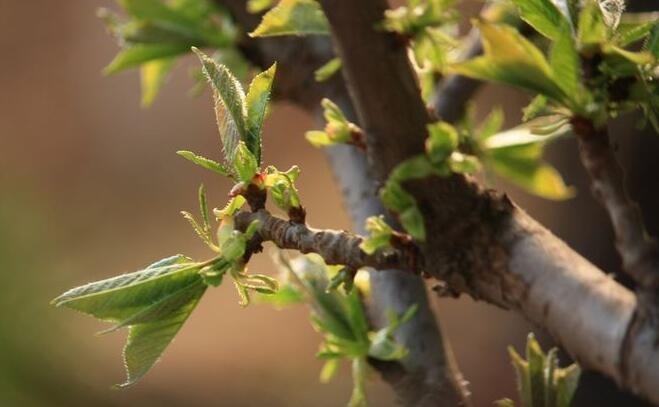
516	155
542	15
204	162
379	235
329	370
153	75
230	106
441	142
566	69
293	17
245	164
358	397
256	6
328	70
147	341
257	100
231	207
592	29
511	59
118	298
138	54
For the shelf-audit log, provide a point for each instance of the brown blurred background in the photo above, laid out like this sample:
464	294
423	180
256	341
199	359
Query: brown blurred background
90	187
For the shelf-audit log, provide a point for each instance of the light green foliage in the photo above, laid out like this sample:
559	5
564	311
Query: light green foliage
516	154
239	117
328	70
339	316
512	59
379	237
155	32
256	101
204	162
153	303
338	130
282	187
589	74
541	382
430	25
256	6
293	17
203	230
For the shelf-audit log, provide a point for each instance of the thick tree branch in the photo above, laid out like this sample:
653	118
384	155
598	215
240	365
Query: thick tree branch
479	242
639	252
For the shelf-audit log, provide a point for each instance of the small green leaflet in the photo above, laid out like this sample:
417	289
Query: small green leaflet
153	303
230	109
328	70
257	100
204	162
543	16
592	29
541	382
153	75
566	69
239	117
293	17
138	54
516	155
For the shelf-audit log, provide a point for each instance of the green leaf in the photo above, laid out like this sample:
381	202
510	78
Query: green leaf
652	43
412	221
245	164
511	59
492	124
328	70
138	54
203	207
516	155
379	237
204	162
293	17
231	207
543	16
147	341
286	295
629	33
329	370
537	107
158	11
567	380
565	67
256	6
153	75
592	29
257	100
118	298
318	138
442	141
230	106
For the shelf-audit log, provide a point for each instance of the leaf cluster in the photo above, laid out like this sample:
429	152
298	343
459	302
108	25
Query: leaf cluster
540	381
156	32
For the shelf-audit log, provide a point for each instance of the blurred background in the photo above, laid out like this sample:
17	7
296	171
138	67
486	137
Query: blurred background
90	187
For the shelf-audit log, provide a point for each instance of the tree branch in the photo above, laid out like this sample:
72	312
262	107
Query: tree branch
478	241
639	252
336	247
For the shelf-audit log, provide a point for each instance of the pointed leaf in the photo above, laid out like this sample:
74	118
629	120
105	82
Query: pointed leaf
138	54
230	108
565	67
153	76
244	164
118	298
204	162
328	70
257	100
543	16
293	17
511	59
147	341
592	29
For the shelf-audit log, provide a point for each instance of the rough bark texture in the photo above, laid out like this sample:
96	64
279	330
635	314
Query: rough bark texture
478	241
639	252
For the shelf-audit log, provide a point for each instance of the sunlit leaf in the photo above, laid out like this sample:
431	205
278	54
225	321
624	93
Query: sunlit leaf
511	59
293	17
257	100
138	54
153	75
543	16
328	70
